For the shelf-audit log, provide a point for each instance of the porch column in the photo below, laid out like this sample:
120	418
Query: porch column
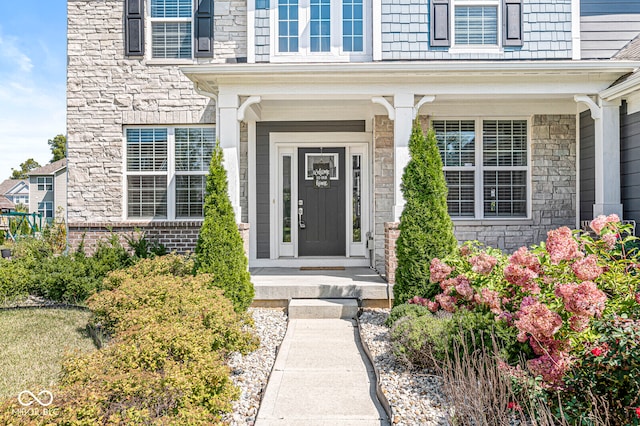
404	107
229	136
607	160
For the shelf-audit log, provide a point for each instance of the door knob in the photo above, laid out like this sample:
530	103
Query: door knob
300	220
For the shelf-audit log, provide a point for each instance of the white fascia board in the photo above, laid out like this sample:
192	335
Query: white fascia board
451	77
629	86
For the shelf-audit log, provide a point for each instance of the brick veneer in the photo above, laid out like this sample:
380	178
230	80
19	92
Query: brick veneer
179	236
391	233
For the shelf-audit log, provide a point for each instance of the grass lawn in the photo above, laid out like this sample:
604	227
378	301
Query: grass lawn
33	343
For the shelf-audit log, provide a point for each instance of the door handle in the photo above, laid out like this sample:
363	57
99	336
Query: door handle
300	220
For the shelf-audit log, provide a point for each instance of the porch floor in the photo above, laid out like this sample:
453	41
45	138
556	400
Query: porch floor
275	286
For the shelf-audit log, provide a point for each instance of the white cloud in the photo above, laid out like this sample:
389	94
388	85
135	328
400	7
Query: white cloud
32	107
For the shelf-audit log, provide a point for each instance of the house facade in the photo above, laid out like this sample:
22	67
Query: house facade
48	189
313	101
16	191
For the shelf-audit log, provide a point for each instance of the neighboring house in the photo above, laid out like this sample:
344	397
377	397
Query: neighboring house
48	189
6	205
16	191
298	90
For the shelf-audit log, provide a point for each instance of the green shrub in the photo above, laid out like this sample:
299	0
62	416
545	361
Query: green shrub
426	230
165	363
65	279
220	249
144	248
405	310
419	341
109	256
13	281
610	368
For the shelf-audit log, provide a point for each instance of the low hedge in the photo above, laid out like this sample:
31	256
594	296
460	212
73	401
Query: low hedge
165	363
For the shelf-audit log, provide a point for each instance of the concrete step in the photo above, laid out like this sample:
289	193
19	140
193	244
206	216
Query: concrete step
323	308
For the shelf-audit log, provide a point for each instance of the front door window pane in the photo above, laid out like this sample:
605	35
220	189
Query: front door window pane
357	198
286	199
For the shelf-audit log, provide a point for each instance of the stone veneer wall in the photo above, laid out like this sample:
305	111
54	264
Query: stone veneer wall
553	199
107	91
382	185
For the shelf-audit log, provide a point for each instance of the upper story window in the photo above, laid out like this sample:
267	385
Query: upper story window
171	29
486	166
476	24
321	29
45	183
177	29
166	171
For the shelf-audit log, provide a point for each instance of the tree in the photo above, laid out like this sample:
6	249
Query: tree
58	146
220	249
426	230
25	168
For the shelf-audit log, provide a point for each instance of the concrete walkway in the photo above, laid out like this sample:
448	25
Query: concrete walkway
321	377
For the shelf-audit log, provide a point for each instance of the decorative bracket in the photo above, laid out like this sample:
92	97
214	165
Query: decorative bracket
251	100
391	112
596	111
425	100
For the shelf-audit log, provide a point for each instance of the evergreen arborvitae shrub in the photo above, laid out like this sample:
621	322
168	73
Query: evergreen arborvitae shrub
426	230
220	249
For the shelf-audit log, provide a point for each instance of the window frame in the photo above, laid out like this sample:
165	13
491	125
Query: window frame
171	173
336	52
42	208
474	48
479	168
149	34
45	183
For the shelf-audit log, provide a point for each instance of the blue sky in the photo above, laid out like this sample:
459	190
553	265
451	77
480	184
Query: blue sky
32	80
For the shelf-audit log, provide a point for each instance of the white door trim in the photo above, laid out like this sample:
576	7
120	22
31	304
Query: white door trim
287	143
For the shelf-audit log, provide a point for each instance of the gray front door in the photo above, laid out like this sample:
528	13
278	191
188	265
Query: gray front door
321	196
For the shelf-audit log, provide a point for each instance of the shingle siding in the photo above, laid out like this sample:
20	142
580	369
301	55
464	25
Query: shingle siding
546	32
262	37
630	163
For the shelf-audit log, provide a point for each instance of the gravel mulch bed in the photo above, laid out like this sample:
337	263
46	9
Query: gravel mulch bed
415	396
251	372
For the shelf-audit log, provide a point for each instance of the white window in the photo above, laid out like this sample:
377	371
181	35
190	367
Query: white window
45	208
171	29
321	29
475	23
166	171
45	183
486	166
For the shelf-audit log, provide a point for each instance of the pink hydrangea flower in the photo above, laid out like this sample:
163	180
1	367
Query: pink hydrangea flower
417	300
552	367
587	269
447	303
440	271
637	297
506	317
483	263
610	240
578	323
600	222
537	320
584	299
562	246
492	299
524	257
522	277
433	306
448	284
463	287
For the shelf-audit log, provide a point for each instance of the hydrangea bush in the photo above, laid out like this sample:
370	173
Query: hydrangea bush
557	296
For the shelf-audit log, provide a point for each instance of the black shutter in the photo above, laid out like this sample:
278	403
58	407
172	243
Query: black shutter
512	25
440	22
204	29
134	27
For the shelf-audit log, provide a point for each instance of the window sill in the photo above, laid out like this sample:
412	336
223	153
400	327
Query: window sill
493	222
171	62
302	57
493	50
